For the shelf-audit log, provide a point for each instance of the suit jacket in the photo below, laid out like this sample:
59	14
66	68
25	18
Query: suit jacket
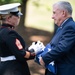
63	49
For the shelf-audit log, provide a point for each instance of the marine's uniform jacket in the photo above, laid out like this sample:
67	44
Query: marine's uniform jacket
12	44
63	49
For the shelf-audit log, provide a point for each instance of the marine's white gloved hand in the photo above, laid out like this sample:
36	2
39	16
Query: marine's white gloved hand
36	47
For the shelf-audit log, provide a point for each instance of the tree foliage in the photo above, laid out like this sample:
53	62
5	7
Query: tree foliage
9	1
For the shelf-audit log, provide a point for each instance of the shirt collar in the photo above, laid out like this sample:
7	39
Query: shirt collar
63	22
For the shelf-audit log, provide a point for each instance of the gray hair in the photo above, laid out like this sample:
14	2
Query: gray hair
65	6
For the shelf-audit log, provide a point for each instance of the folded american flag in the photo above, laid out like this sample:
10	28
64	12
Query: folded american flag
51	66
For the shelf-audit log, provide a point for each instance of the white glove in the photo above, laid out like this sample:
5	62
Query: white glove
36	47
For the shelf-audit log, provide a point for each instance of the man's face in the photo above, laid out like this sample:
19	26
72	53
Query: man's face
57	15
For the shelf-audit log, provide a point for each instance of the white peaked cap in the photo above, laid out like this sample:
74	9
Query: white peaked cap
7	8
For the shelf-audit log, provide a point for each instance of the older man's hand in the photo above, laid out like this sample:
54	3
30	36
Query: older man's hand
41	61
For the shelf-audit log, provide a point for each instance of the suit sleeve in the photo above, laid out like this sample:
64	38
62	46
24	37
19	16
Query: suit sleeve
64	45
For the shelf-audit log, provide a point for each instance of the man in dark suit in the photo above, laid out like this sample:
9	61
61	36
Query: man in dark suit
63	43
